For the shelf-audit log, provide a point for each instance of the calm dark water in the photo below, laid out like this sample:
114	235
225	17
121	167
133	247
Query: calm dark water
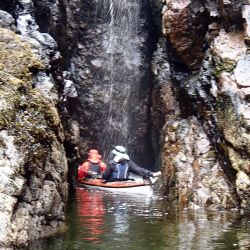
100	220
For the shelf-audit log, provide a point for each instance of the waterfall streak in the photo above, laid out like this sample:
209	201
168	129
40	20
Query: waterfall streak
122	61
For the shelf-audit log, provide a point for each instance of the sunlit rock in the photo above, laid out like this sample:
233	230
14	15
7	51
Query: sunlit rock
232	120
7	204
229	108
227	49
242	72
7	21
246	16
192	171
243	188
45	84
97	62
69	87
243	180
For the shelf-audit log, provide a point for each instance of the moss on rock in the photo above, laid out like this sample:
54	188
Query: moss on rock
9	99
231	124
31	139
16	57
23	109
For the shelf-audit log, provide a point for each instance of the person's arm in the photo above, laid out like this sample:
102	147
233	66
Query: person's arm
82	170
79	172
102	167
134	168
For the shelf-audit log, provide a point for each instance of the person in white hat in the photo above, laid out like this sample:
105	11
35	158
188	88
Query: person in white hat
121	166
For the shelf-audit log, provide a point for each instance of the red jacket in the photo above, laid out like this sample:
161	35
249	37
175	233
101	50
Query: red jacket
85	167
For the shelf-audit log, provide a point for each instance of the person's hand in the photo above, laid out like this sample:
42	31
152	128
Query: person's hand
156	174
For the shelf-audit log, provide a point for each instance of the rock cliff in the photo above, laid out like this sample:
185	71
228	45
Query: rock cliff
205	155
33	165
61	62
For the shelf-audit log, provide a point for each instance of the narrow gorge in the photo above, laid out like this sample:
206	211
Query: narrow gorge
168	79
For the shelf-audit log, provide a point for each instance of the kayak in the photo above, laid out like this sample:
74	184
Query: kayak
130	186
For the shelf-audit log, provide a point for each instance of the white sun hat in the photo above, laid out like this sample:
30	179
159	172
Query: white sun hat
120	149
120	152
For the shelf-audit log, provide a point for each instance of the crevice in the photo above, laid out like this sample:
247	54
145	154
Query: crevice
11	6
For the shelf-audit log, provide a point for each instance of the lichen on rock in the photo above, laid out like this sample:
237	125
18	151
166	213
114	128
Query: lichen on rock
227	49
16	56
191	172
33	166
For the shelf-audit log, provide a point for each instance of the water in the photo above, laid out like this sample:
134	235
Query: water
123	61
100	220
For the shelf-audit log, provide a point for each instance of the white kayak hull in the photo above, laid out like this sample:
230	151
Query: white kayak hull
147	190
122	187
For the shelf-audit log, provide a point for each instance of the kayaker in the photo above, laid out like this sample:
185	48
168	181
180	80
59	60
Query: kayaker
121	166
93	167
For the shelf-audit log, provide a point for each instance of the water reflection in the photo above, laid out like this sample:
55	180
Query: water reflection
90	209
99	220
205	229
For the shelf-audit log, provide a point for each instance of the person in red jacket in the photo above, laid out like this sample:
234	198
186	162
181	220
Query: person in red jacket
93	166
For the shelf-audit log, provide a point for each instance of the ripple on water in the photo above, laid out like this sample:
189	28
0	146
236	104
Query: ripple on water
99	220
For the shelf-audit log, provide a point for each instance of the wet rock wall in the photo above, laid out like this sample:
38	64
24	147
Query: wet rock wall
207	52
91	44
110	70
50	76
199	104
33	164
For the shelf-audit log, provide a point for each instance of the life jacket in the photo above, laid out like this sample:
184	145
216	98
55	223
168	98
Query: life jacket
95	167
121	171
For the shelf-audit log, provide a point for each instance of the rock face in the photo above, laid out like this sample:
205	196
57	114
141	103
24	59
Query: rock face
182	22
206	161
200	101
35	86
233	109
109	69
190	159
33	165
